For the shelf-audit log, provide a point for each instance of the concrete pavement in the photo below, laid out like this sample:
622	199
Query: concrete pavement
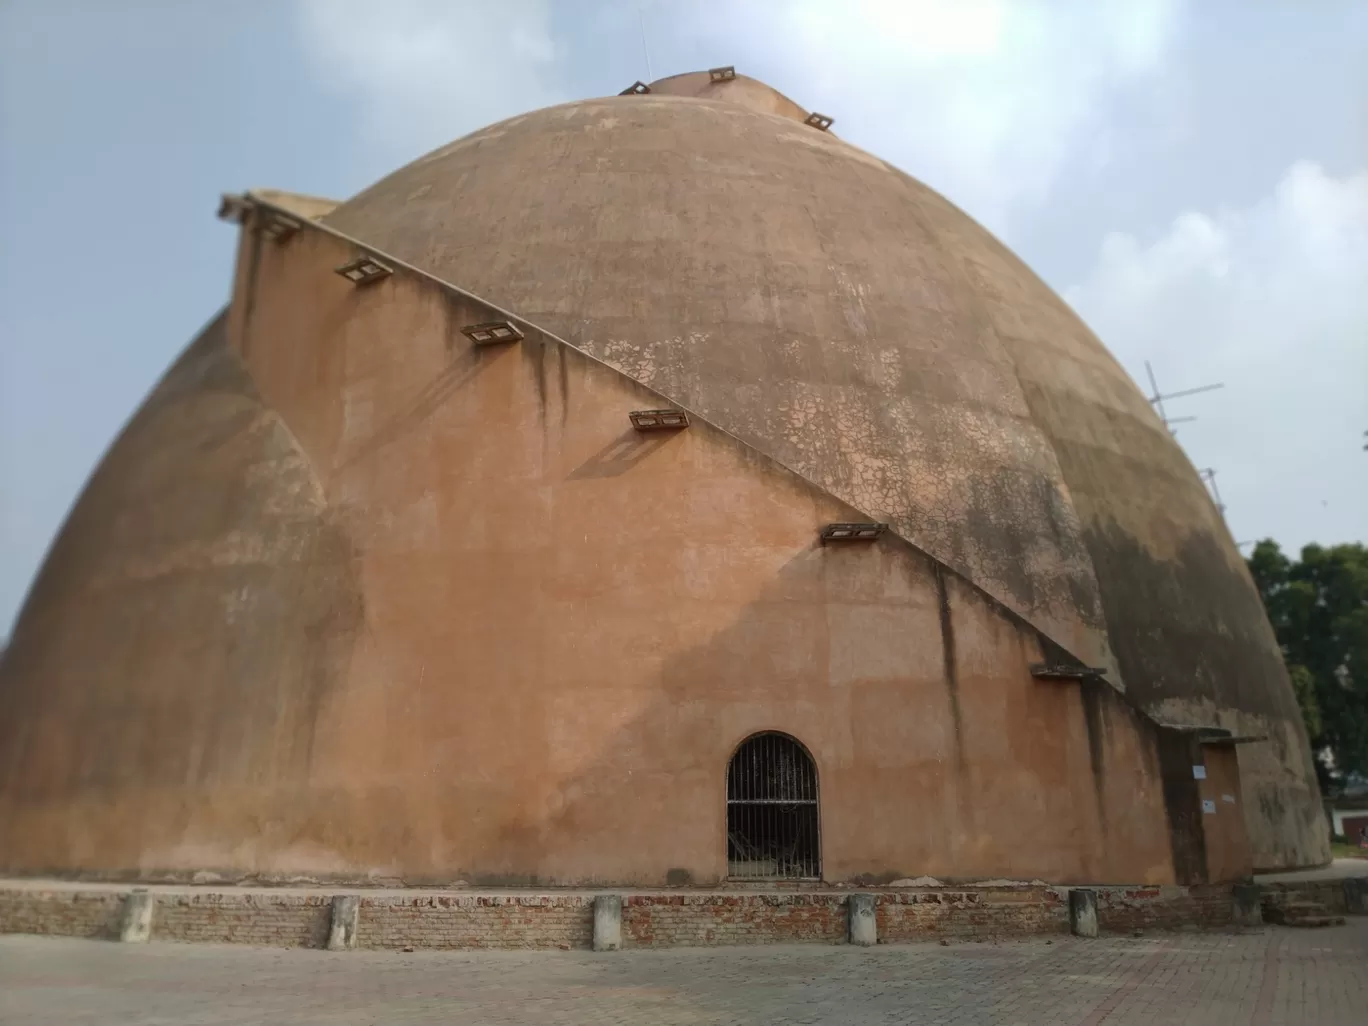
1268	976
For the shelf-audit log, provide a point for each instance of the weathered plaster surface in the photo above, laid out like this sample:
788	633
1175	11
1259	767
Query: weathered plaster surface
352	598
849	322
553	632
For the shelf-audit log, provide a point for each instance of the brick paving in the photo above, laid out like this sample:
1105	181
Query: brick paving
1270	976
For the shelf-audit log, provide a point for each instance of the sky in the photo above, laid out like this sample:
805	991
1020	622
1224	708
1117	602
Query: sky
1191	175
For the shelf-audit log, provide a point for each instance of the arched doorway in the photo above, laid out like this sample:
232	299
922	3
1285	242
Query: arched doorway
772	811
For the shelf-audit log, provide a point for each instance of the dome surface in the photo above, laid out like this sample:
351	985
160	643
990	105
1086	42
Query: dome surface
833	312
362	592
796	291
847	320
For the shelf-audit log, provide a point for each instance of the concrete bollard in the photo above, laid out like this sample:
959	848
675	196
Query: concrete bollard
1356	895
863	925
608	922
1083	912
136	927
346	910
1247	901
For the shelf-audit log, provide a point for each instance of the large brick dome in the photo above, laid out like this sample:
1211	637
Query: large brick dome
847	320
826	315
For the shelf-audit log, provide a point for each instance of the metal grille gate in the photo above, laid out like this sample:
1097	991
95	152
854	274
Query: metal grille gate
772	811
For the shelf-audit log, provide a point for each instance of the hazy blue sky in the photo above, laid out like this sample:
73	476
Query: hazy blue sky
1192	176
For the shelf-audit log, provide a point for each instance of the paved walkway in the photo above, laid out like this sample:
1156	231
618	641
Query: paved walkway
1266	976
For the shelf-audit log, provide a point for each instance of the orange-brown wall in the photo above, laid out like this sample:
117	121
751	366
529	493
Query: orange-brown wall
843	318
551	632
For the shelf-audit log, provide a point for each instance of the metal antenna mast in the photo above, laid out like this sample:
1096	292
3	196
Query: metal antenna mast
641	19
1157	399
1209	477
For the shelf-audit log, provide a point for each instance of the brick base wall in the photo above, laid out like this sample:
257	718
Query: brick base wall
62	913
1123	909
916	915
662	919
694	920
475	921
268	920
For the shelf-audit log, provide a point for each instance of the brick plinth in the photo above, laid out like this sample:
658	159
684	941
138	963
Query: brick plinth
476	921
464	920
1015	912
690	920
1121	909
62	913
261	918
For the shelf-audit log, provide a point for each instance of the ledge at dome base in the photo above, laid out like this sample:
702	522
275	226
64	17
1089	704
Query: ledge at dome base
545	919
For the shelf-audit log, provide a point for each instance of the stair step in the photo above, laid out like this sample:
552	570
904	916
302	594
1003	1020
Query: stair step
1295	912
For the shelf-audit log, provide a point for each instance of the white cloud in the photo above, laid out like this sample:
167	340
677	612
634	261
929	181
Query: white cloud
1273	300
424	72
986	100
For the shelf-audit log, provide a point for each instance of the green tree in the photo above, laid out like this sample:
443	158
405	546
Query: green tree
1319	610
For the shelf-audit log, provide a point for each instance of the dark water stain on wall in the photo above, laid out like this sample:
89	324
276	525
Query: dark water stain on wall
1188	628
1182	805
1097	742
947	629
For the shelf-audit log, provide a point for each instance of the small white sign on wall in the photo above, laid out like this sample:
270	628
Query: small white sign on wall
1228	798
1198	772
1208	806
